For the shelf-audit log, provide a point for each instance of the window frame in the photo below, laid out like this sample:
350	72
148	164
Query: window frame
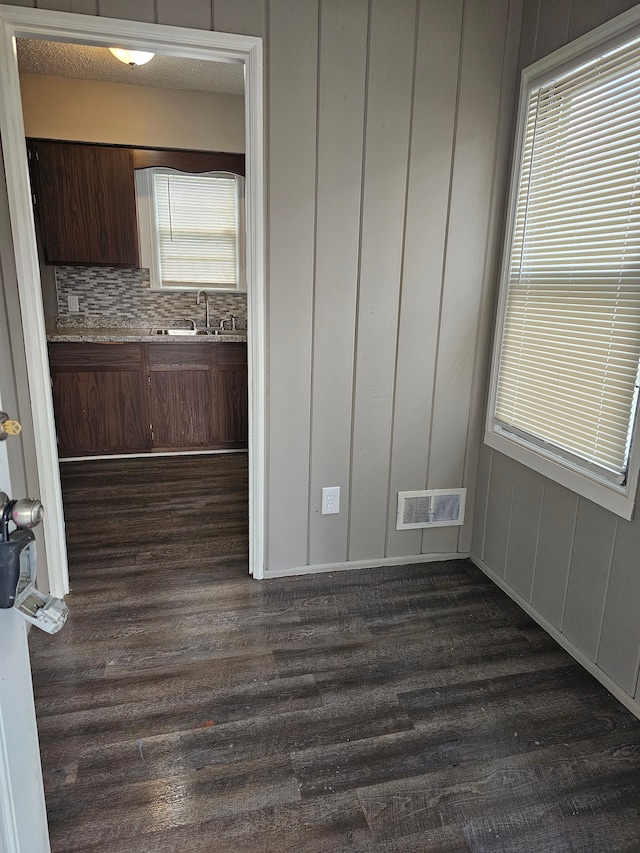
149	235
617	498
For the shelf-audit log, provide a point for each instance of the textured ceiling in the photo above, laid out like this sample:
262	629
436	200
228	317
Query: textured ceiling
61	59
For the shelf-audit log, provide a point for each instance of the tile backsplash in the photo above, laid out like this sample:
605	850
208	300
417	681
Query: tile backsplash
111	296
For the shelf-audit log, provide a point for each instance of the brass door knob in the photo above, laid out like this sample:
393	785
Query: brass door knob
8	426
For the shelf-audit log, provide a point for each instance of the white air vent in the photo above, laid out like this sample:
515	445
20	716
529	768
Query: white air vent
435	508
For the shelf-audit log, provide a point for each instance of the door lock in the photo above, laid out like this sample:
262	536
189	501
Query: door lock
8	426
18	566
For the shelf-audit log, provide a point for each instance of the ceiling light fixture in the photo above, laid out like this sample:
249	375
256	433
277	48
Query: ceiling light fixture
132	57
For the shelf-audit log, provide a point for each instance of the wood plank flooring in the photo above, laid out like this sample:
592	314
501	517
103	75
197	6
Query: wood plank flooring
188	708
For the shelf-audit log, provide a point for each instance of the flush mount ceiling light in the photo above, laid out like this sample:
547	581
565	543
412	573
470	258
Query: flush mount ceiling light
132	57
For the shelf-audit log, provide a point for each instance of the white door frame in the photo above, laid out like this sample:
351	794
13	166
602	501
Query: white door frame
174	41
23	817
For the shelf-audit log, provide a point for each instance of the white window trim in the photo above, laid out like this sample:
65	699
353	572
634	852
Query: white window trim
618	499
149	242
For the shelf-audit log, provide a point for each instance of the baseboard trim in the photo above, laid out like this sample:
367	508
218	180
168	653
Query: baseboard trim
628	701
152	454
363	564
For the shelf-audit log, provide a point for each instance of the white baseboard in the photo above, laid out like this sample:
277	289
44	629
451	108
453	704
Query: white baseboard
153	454
622	696
363	564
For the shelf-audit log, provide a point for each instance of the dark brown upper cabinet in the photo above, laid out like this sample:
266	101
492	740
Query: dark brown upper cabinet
85	203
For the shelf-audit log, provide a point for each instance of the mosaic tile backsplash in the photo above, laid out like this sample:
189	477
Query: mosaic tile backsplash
110	296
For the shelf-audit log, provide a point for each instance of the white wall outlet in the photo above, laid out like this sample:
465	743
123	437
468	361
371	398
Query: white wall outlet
73	303
330	500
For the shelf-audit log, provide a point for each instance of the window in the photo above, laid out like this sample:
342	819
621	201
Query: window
190	229
565	380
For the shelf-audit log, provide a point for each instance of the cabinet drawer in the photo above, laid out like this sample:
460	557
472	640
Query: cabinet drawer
231	353
170	355
82	355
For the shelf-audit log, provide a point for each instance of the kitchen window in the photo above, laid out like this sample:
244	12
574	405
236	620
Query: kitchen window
191	231
564	389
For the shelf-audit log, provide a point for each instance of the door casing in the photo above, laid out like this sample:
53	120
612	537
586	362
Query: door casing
174	41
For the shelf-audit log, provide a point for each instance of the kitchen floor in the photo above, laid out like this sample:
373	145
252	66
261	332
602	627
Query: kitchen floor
188	708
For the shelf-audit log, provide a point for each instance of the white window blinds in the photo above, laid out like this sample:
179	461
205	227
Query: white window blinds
568	369
197	227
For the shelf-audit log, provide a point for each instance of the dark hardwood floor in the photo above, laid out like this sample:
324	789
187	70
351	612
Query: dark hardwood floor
188	708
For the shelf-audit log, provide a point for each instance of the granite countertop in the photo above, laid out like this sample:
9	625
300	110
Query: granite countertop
121	334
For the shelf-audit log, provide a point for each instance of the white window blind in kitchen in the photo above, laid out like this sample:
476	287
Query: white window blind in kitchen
197	228
567	373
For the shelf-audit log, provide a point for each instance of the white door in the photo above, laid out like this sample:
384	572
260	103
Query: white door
23	821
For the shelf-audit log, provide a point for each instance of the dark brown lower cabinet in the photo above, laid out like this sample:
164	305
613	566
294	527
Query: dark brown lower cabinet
99	395
182	396
132	398
232	394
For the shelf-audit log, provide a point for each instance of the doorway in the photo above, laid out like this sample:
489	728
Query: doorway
169	41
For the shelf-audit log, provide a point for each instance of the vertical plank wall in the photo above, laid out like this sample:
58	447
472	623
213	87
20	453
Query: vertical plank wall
375	298
572	564
383	121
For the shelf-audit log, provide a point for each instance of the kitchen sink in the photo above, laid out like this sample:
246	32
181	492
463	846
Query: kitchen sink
189	332
192	332
182	332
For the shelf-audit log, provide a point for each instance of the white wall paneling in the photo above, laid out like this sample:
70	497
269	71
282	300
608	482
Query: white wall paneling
588	576
389	94
342	70
54	5
246	17
528	490
483	48
530	14
292	100
195	13
480	507
619	648
84	7
430	170
81	7
138	10
555	545
615	7
502	158
498	518
586	15
553	26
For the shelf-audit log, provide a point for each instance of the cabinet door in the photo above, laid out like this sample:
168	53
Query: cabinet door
179	409
85	203
181	388
232	394
99	398
98	411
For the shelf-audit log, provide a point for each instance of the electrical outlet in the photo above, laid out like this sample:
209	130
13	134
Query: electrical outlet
73	303
330	500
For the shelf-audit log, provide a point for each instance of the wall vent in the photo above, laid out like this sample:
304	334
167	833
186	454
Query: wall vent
434	508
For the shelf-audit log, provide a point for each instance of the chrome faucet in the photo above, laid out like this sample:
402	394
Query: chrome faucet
232	320
206	307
